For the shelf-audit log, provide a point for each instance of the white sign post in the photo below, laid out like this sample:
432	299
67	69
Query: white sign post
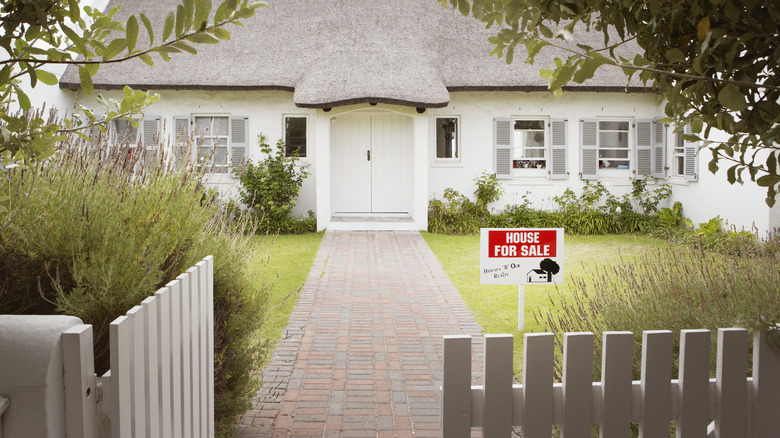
521	256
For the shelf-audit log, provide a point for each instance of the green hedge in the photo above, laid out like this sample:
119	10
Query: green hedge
100	232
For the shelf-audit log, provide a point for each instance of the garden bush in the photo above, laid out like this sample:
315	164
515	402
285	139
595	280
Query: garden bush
269	190
101	232
674	288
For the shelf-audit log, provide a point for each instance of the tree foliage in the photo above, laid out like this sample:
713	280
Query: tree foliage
714	61
37	34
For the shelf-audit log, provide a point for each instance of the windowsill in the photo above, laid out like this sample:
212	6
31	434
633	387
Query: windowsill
678	181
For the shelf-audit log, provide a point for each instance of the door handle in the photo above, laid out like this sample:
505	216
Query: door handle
368	155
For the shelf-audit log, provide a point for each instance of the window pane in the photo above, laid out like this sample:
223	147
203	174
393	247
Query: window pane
529	124
447	137
203	125
613	139
125	132
221	126
613	126
295	136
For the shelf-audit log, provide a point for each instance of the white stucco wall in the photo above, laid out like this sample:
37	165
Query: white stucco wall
710	196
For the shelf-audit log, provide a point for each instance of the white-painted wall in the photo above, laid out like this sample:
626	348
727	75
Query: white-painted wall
710	196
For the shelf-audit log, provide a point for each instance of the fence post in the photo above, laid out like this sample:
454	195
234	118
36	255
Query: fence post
497	407
3	406
656	383
693	387
456	387
766	388
121	334
731	384
80	382
538	359
616	371
577	385
209	260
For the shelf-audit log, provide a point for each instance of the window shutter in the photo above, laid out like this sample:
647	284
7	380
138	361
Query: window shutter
589	149
150	136
691	149
559	149
659	150
238	141
644	148
503	143
181	127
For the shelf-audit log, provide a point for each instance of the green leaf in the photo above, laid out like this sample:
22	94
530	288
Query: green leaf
546	32
146	59
589	67
768	180
703	27
148	26
202	11
86	80
221	33
74	11
675	55
114	48
189	11
732	98
464	7
202	38
24	101
170	20
131	33
46	77
185	47
180	19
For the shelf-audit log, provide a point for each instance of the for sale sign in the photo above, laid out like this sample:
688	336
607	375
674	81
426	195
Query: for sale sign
521	255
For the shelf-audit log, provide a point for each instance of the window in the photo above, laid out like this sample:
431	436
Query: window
447	138
295	136
221	140
125	134
530	151
678	166
613	145
212	137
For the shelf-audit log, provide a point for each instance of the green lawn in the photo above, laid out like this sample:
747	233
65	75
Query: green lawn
495	307
284	263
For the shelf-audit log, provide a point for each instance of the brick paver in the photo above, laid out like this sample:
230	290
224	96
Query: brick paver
361	355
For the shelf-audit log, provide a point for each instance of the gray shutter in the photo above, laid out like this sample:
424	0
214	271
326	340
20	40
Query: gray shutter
559	149
659	150
181	128
691	149
589	149
150	136
503	145
644	148
238	140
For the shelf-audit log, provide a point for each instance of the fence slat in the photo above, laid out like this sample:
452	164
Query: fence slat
577	384
204	347
497	408
138	380
121	338
210	340
656	384
80	382
194	314
616	370
537	383
152	387
766	388
731	384
175	354
186	355
456	387
164	354
693	392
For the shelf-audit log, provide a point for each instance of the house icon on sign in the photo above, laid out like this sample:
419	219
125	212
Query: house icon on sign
537	276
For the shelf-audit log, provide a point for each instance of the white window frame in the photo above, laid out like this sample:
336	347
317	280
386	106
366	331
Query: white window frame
209	165
115	137
629	144
678	152
531	171
458	152
592	151
284	133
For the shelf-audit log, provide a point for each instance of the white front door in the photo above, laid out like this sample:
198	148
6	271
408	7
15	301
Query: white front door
371	164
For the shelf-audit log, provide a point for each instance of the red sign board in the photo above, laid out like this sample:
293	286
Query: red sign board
521	243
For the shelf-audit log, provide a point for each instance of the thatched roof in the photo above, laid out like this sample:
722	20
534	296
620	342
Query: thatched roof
409	52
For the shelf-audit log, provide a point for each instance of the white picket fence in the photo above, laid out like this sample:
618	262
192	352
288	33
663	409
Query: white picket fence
161	381
730	405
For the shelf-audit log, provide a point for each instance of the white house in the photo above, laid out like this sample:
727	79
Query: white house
390	103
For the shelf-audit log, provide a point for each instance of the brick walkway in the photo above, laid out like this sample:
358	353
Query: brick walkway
361	355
